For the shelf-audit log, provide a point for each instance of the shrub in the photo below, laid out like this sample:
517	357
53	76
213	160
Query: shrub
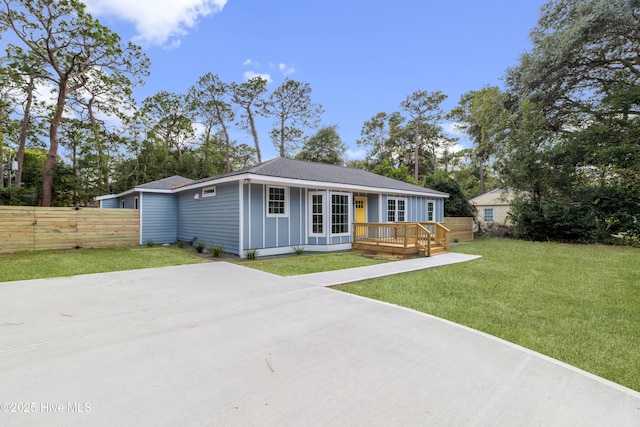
251	254
298	250
200	246
217	250
180	244
149	243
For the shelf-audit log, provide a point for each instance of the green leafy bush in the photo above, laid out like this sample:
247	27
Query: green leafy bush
199	246
251	254
217	250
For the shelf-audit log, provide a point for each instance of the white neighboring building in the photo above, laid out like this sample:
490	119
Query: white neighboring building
492	207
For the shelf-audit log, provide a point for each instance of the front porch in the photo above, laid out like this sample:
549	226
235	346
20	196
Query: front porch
404	238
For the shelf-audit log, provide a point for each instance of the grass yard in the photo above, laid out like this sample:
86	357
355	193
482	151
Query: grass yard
311	263
42	264
579	304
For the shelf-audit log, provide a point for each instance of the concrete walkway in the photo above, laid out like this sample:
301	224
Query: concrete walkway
220	344
341	277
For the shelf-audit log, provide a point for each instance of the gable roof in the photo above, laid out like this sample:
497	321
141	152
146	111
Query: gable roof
292	172
494	197
170	183
322	174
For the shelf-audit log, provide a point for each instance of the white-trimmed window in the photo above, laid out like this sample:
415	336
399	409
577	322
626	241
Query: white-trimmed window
396	209
488	214
339	213
431	210
209	191
316	212
277	201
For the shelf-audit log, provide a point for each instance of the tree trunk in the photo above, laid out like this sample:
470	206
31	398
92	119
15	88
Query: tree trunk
103	170
228	147
52	156
481	164
416	155
23	132
254	132
2	163
282	142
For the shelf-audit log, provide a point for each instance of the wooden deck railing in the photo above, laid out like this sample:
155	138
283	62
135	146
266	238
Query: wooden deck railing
439	232
402	234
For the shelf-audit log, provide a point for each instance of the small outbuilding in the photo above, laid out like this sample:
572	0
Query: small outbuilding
493	207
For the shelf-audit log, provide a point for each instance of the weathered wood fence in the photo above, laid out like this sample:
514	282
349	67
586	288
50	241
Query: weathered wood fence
460	228
28	228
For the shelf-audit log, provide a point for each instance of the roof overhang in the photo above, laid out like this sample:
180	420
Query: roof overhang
133	191
302	183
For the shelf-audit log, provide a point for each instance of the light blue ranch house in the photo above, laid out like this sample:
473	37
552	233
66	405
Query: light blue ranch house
275	207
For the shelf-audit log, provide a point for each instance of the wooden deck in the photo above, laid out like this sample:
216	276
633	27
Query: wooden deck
404	238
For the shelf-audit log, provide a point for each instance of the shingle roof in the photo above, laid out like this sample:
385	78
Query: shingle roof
170	183
325	173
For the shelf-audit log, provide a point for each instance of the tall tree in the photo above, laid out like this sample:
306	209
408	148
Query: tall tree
103	96
72	43
384	135
325	146
424	109
248	96
5	123
481	114
167	118
584	51
210	98
22	72
578	105
291	107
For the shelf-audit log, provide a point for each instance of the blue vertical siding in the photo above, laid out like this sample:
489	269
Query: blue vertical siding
439	210
283	232
159	218
416	208
254	211
215	220
296	216
270	232
373	214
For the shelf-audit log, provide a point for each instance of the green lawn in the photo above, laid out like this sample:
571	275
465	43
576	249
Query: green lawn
579	304
311	263
42	264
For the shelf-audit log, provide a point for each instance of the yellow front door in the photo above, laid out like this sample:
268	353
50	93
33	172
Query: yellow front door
361	215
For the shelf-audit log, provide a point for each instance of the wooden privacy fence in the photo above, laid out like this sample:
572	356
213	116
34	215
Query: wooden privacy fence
29	228
460	228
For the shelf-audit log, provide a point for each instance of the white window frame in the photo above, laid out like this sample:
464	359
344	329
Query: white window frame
348	213
395	210
484	215
209	191
323	194
285	214
431	213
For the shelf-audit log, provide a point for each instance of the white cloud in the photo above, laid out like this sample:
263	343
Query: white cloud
453	129
248	61
248	75
157	21
285	69
358	154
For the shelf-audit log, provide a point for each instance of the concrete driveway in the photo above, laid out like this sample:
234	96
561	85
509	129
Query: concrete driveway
218	344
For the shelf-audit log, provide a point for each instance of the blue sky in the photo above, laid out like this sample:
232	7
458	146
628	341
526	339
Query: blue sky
360	58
